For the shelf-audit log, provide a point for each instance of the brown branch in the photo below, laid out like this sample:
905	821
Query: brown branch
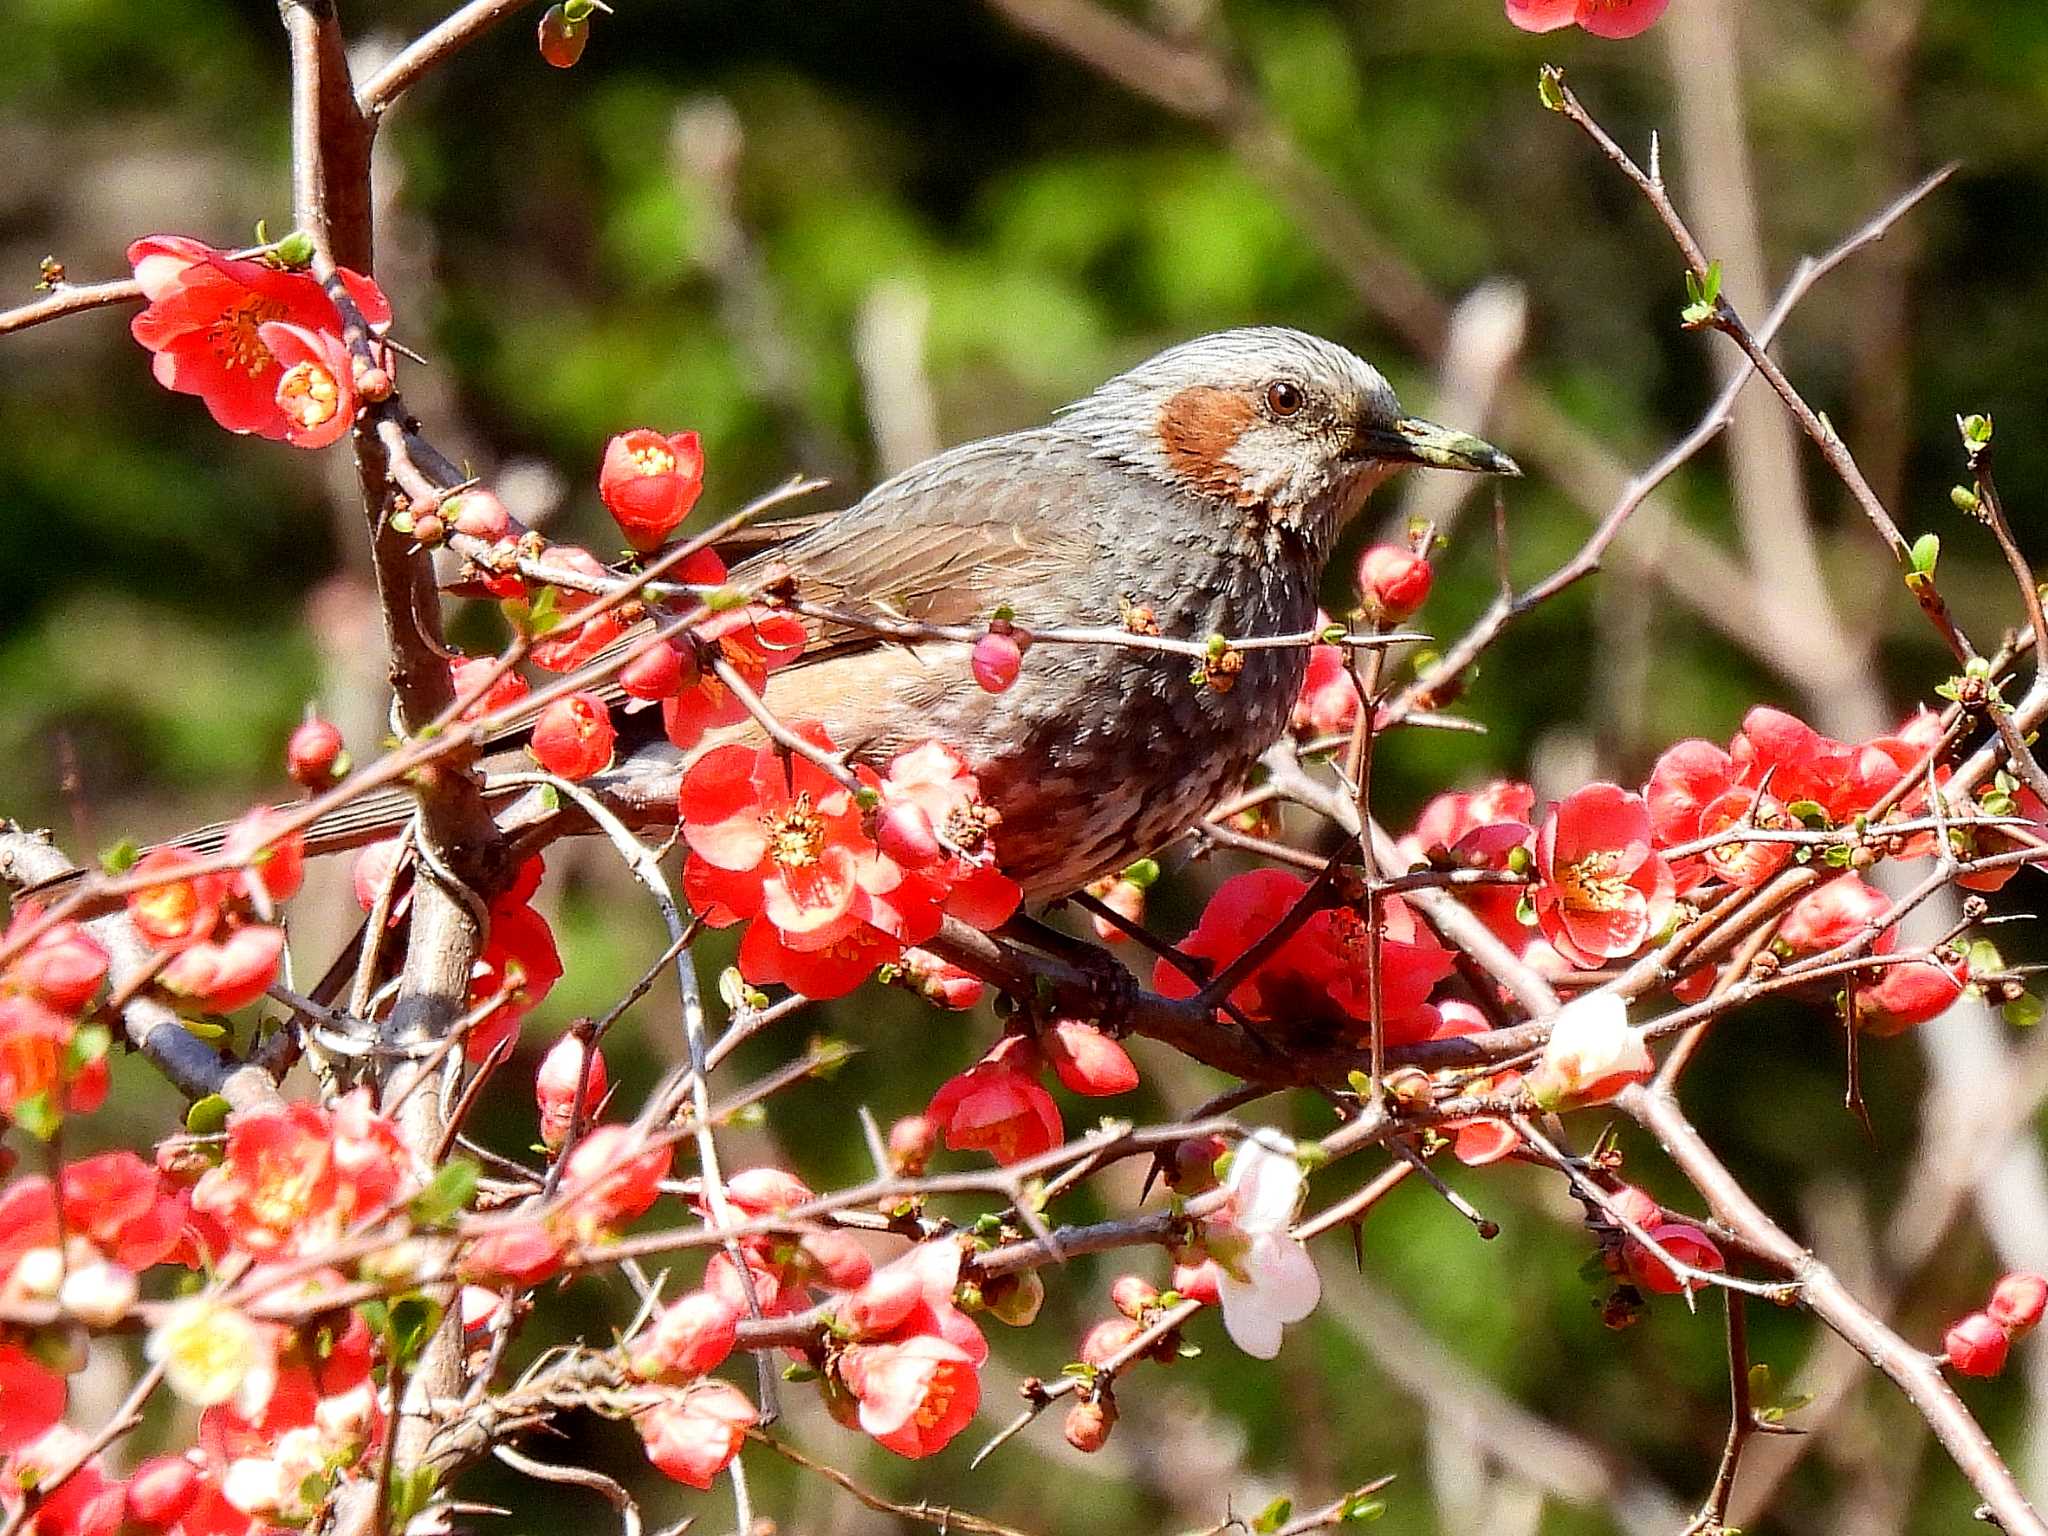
1913	1371
69	299
429	51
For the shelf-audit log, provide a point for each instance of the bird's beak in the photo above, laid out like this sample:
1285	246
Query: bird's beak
1414	441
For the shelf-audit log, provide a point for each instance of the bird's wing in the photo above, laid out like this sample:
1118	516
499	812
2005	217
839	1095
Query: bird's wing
945	543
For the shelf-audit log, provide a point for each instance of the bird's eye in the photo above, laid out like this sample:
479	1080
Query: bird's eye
1283	398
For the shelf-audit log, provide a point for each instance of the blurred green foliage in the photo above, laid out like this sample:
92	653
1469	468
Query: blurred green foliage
567	271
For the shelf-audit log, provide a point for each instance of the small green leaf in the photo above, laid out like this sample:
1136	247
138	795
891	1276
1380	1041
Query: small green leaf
1963	499
1926	551
204	1029
1808	813
550	798
38	1115
411	1489
412	1321
1143	873
89	1042
797	1372
1976	430
1550	88
120	858
1361	1082
1984	958
294	249
867	797
207	1116
1710	289
732	989
1838	856
1274	1515
1361	1508
453	1187
724	599
2023	1012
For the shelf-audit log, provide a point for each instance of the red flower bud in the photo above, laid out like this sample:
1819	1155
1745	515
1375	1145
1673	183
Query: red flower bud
996	661
1087	1060
1198	1282
561	40
2018	1301
1393	581
655	672
1089	1423
314	756
904	832
479	514
428	529
573	737
161	1490
1975	1346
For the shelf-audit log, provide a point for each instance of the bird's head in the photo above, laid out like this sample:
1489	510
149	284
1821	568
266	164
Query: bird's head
1270	420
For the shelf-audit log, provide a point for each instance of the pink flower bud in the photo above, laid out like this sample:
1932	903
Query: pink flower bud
479	514
1132	1294
428	529
1124	897
912	1141
904	832
1393	581
765	1191
313	756
1087	1060
554	1087
1976	1346
2017	1301
996	661
1089	1422
1684	1242
1107	1339
687	1339
836	1260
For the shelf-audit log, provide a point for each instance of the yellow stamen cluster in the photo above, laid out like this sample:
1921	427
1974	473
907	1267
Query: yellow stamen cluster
1595	883
796	836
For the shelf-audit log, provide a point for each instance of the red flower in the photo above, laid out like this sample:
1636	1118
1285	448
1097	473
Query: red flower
468	676
1910	993
998	1106
36	1061
61	969
694	1436
184	908
573	737
995	661
274	862
571	645
612	1178
1602	893
31	1397
650	482
686	1339
1322	972
912	1296
930	788
1602	18
914	1396
523	1255
1843	909
1328	703
205	324
519	965
782	845
297	1175
233	973
1483	1139
1479	829
1683	1241
316	392
753	641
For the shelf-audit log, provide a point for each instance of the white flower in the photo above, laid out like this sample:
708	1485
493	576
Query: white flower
1268	1279
98	1294
211	1353
1592	1054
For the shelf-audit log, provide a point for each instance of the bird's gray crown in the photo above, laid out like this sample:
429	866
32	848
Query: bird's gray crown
1250	358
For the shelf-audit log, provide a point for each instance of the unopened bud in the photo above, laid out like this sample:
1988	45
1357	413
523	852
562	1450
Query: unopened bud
1089	1423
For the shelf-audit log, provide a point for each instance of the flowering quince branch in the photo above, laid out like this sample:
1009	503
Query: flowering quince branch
1414	985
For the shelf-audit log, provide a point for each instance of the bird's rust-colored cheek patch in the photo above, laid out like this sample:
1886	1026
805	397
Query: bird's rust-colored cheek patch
1198	429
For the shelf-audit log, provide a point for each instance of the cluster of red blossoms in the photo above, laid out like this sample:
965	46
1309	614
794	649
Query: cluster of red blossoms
49	1062
286	1407
258	340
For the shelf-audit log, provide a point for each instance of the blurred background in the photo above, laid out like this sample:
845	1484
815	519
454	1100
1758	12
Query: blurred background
834	236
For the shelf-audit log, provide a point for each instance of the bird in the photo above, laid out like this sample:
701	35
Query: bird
1203	489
